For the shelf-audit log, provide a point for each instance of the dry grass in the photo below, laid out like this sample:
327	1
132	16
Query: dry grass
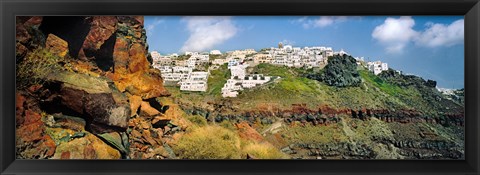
263	151
36	66
209	142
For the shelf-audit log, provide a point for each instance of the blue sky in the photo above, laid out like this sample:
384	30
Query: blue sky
429	46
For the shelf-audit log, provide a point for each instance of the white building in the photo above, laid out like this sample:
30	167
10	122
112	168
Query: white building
377	67
155	55
254	80
219	61
193	86
232	63
198	76
238	71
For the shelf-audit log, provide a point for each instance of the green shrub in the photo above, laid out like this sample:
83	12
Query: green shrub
209	142
36	66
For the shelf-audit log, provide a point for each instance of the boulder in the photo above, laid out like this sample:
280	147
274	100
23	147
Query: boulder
94	99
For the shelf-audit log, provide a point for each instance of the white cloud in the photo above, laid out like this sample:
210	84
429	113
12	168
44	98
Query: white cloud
288	42
156	21
442	35
320	22
395	34
207	32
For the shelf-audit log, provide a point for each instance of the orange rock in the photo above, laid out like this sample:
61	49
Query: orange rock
159	131
56	45
49	145
20	101
144	125
120	56
65	155
147	137
149	110
135	102
138	60
144	148
247	132
160	118
30	132
136	134
131	123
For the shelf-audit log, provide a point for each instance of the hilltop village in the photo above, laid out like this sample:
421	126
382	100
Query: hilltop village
191	71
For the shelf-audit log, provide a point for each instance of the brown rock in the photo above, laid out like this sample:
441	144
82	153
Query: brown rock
20	101
34	21
34	88
30	132
21	50
101	28
22	35
31	117
65	155
56	45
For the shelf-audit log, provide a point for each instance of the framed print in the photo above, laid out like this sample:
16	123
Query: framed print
240	87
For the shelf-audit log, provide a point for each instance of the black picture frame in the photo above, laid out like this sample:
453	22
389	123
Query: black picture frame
11	8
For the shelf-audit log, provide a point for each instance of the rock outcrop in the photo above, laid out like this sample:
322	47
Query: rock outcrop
104	84
341	71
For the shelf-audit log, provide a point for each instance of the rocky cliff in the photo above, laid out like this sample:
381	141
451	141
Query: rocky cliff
83	85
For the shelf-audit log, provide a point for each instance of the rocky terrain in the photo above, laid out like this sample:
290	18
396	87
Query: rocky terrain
86	90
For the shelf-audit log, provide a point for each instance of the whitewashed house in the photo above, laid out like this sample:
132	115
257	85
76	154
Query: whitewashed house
253	80
193	86
198	76
238	71
232	63
377	67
